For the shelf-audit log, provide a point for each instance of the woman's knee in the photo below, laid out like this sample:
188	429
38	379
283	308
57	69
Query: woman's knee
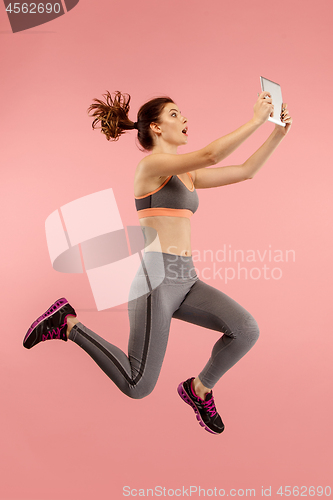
252	329
140	391
139	394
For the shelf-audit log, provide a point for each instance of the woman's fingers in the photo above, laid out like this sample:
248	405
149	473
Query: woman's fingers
285	116
284	111
264	108
266	97
264	94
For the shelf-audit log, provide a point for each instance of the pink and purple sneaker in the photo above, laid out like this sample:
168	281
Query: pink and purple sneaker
205	410
51	325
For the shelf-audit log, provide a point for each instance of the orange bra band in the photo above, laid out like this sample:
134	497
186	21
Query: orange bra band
171	212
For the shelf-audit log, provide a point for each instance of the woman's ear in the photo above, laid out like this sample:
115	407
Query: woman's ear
155	128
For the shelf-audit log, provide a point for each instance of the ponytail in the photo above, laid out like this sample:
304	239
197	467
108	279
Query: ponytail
112	115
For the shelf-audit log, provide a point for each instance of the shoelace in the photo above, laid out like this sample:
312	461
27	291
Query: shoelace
55	333
210	406
52	334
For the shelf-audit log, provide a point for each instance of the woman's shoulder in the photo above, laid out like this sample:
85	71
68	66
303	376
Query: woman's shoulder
145	182
150	160
147	173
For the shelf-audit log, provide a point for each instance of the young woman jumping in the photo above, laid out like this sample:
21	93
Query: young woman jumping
166	285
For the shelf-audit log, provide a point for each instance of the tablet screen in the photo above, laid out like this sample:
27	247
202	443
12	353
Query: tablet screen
275	90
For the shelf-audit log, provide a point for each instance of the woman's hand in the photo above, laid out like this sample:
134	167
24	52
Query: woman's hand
285	118
263	108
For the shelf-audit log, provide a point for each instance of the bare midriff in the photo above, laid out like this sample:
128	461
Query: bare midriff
174	235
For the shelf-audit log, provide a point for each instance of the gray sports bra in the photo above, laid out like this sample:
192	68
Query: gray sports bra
173	198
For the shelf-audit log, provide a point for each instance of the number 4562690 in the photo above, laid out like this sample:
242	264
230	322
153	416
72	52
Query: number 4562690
34	8
304	491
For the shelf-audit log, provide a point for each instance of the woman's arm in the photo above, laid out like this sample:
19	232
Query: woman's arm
221	148
163	164
214	177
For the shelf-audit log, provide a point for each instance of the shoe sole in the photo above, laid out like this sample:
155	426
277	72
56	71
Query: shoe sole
58	304
185	397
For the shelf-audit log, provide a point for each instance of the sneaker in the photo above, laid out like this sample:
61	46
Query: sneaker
51	325
205	410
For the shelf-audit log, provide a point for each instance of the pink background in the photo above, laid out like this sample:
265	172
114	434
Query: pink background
66	431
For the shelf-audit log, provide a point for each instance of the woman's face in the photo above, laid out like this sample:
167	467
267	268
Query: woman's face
172	127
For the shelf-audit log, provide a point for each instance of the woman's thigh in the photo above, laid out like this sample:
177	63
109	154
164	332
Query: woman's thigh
208	307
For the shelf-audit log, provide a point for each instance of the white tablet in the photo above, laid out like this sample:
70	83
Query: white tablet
275	90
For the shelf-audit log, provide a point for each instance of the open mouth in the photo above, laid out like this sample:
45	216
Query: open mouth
185	131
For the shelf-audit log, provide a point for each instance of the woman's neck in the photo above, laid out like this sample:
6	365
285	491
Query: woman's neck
165	148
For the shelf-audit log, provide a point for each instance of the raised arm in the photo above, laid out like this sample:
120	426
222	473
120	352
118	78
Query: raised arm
220	176
163	164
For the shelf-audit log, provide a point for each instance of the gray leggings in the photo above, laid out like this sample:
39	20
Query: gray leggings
166	286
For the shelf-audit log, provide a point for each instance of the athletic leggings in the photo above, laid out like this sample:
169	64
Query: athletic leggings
166	286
